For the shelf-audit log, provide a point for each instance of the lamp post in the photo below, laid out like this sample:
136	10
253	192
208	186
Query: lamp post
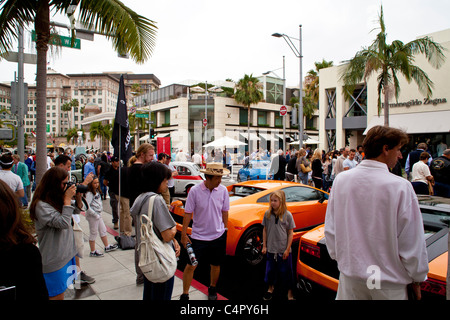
284	102
298	54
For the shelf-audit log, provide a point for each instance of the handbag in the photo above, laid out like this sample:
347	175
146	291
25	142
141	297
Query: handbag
305	169
125	242
157	259
430	188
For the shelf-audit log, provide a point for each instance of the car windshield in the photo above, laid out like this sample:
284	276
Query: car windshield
435	211
258	164
243	191
196	166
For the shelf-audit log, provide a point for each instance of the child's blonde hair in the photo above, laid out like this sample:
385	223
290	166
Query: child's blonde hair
281	209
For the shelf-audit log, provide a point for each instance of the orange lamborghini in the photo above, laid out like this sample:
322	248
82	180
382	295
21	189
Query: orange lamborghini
249	201
315	267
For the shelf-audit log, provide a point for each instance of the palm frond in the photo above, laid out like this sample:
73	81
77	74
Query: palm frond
14	13
129	32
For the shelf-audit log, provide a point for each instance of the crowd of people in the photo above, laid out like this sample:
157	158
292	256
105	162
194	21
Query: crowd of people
319	169
55	205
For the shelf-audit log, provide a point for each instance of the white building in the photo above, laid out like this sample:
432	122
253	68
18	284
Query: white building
346	122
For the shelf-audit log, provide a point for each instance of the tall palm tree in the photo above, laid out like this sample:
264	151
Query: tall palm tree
388	60
129	32
248	92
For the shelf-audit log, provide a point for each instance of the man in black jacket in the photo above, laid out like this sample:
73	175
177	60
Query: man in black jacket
440	170
291	171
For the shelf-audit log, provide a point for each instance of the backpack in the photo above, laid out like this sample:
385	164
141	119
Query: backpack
157	258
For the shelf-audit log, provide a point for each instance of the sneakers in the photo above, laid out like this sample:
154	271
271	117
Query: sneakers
212	293
111	247
184	296
96	253
267	296
84	278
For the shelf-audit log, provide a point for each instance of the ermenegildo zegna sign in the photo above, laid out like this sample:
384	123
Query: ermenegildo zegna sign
417	102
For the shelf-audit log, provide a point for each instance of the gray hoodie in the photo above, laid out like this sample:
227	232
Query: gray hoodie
55	236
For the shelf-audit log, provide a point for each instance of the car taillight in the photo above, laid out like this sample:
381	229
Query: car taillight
310	249
434	287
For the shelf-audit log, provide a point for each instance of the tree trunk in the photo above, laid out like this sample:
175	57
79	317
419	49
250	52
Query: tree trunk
42	27
386	108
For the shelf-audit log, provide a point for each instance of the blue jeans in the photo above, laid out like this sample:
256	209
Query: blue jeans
158	291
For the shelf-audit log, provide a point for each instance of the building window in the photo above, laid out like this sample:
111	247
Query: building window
262	118
243	117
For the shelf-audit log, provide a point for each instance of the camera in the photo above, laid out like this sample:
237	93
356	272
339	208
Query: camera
81	188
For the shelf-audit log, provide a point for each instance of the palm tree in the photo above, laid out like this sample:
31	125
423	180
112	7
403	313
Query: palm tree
104	132
248	92
311	97
129	32
68	106
388	60
72	134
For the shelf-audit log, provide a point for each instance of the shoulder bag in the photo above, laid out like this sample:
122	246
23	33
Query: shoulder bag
157	258
304	168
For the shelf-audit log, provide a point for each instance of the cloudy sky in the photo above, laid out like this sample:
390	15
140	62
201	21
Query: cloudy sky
215	40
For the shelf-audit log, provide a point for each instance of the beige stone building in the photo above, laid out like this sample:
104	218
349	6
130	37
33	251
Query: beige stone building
425	120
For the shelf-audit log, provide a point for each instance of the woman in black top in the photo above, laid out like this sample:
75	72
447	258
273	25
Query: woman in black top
317	168
21	262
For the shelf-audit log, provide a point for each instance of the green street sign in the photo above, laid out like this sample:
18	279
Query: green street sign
61	41
141	115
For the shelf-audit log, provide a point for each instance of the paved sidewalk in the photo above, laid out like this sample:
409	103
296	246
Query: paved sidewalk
114	273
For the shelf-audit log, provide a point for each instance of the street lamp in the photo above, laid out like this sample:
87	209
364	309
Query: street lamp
298	54
284	102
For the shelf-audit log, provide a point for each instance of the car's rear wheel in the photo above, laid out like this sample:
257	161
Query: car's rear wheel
250	246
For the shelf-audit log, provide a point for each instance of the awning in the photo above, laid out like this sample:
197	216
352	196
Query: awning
266	136
414	123
144	138
161	135
253	136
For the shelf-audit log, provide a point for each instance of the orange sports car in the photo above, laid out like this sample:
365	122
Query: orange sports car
249	201
315	266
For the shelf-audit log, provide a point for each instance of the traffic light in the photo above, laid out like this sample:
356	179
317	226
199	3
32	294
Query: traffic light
152	133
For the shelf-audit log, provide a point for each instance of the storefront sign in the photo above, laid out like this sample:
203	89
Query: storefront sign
417	102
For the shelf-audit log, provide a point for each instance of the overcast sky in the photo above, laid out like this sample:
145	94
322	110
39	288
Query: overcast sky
215	40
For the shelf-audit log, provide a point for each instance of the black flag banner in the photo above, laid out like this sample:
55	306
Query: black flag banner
121	138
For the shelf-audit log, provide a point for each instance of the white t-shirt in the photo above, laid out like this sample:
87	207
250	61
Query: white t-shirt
349	163
420	172
11	179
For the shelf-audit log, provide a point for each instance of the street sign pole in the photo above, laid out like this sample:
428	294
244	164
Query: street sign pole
20	98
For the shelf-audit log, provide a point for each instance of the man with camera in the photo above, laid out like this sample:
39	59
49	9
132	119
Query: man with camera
65	162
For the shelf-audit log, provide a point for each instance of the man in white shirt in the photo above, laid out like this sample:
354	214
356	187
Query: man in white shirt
338	166
373	225
350	162
11	179
197	159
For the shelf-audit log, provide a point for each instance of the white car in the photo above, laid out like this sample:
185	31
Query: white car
188	176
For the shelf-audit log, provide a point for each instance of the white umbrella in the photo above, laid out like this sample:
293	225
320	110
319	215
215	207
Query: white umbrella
196	89
225	142
307	141
215	89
